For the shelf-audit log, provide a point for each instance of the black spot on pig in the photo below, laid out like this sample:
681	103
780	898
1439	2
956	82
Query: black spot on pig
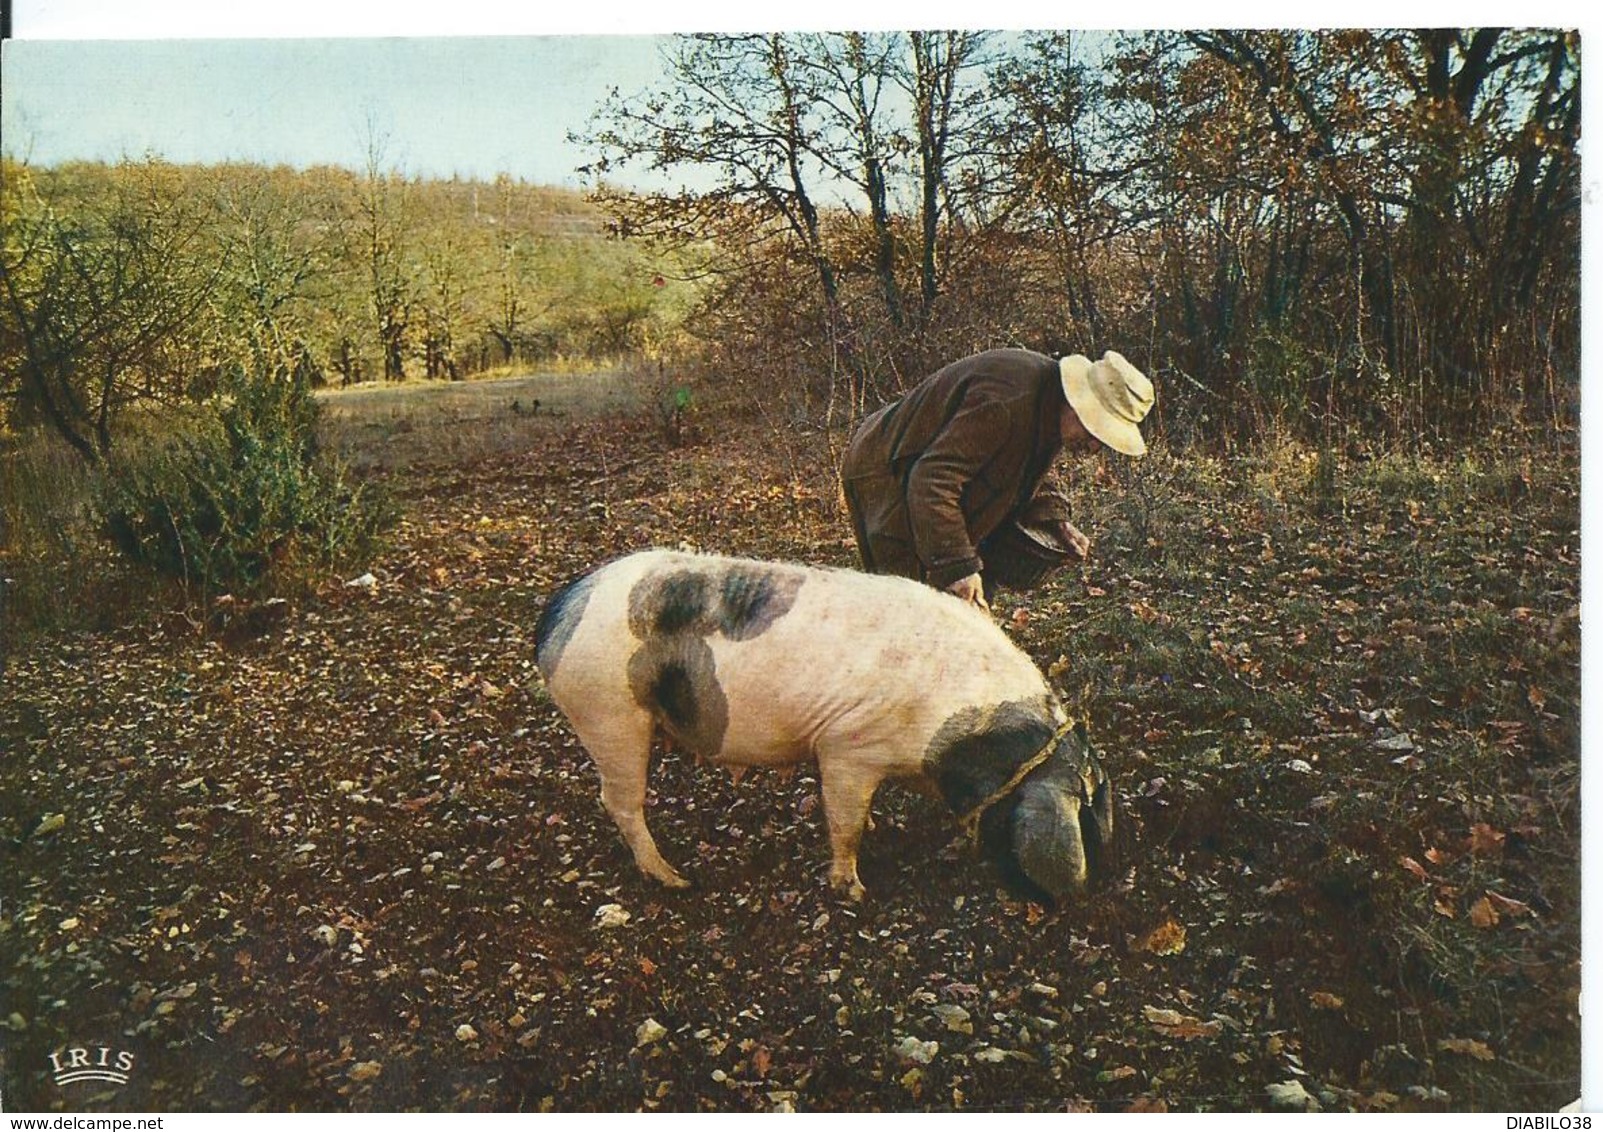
673	693
670	601
740	600
754	597
975	752
676	679
563	611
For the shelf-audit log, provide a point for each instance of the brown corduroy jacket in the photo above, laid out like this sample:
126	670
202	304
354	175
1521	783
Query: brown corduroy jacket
929	476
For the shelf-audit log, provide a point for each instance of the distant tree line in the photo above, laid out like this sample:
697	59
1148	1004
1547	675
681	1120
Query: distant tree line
1373	226
146	281
1368	226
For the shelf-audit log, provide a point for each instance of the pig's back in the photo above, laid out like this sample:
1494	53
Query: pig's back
790	655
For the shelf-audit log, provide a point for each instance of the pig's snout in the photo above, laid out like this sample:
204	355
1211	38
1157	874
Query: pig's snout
1062	826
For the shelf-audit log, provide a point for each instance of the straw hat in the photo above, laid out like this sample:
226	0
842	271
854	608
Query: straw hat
1110	397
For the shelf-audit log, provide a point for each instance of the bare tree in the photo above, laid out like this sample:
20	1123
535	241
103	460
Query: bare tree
382	221
856	142
952	120
97	294
739	109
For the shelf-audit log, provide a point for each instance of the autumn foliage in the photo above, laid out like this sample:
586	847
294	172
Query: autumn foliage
1375	230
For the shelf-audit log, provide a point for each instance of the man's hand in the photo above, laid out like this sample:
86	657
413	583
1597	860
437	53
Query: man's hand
971	590
1078	544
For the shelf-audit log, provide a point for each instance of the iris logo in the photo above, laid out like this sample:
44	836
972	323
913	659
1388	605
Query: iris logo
92	1063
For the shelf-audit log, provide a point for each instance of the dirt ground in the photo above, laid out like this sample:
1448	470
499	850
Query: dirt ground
341	853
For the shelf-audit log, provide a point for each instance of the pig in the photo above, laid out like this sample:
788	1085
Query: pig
761	664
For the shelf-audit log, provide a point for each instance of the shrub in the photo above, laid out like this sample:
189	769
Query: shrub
238	493
676	413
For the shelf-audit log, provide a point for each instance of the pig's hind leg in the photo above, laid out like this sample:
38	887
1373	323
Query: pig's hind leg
620	744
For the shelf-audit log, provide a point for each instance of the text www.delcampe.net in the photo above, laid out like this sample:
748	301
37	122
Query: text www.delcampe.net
85	1124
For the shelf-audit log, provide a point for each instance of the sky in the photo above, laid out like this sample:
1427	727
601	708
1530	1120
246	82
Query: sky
440	102
468	87
435	106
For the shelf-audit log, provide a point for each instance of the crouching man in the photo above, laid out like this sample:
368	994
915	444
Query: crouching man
938	481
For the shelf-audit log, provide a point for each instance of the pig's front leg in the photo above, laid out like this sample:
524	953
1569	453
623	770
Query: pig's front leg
848	789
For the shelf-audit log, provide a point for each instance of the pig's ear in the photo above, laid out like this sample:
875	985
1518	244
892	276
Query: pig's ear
1047	840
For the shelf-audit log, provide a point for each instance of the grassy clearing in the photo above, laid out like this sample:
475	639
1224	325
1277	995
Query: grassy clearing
62	573
389	427
1339	697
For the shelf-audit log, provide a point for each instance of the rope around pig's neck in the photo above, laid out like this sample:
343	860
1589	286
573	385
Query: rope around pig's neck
970	822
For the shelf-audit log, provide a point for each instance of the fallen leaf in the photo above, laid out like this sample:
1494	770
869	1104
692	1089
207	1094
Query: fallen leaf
1508	906
1144	611
1117	1073
1161	1017
1291	1094
364	1071
1324	1000
1416	868
954	1018
911	1049
1482	914
1192	1028
1168	938
1480	1051
1484	840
